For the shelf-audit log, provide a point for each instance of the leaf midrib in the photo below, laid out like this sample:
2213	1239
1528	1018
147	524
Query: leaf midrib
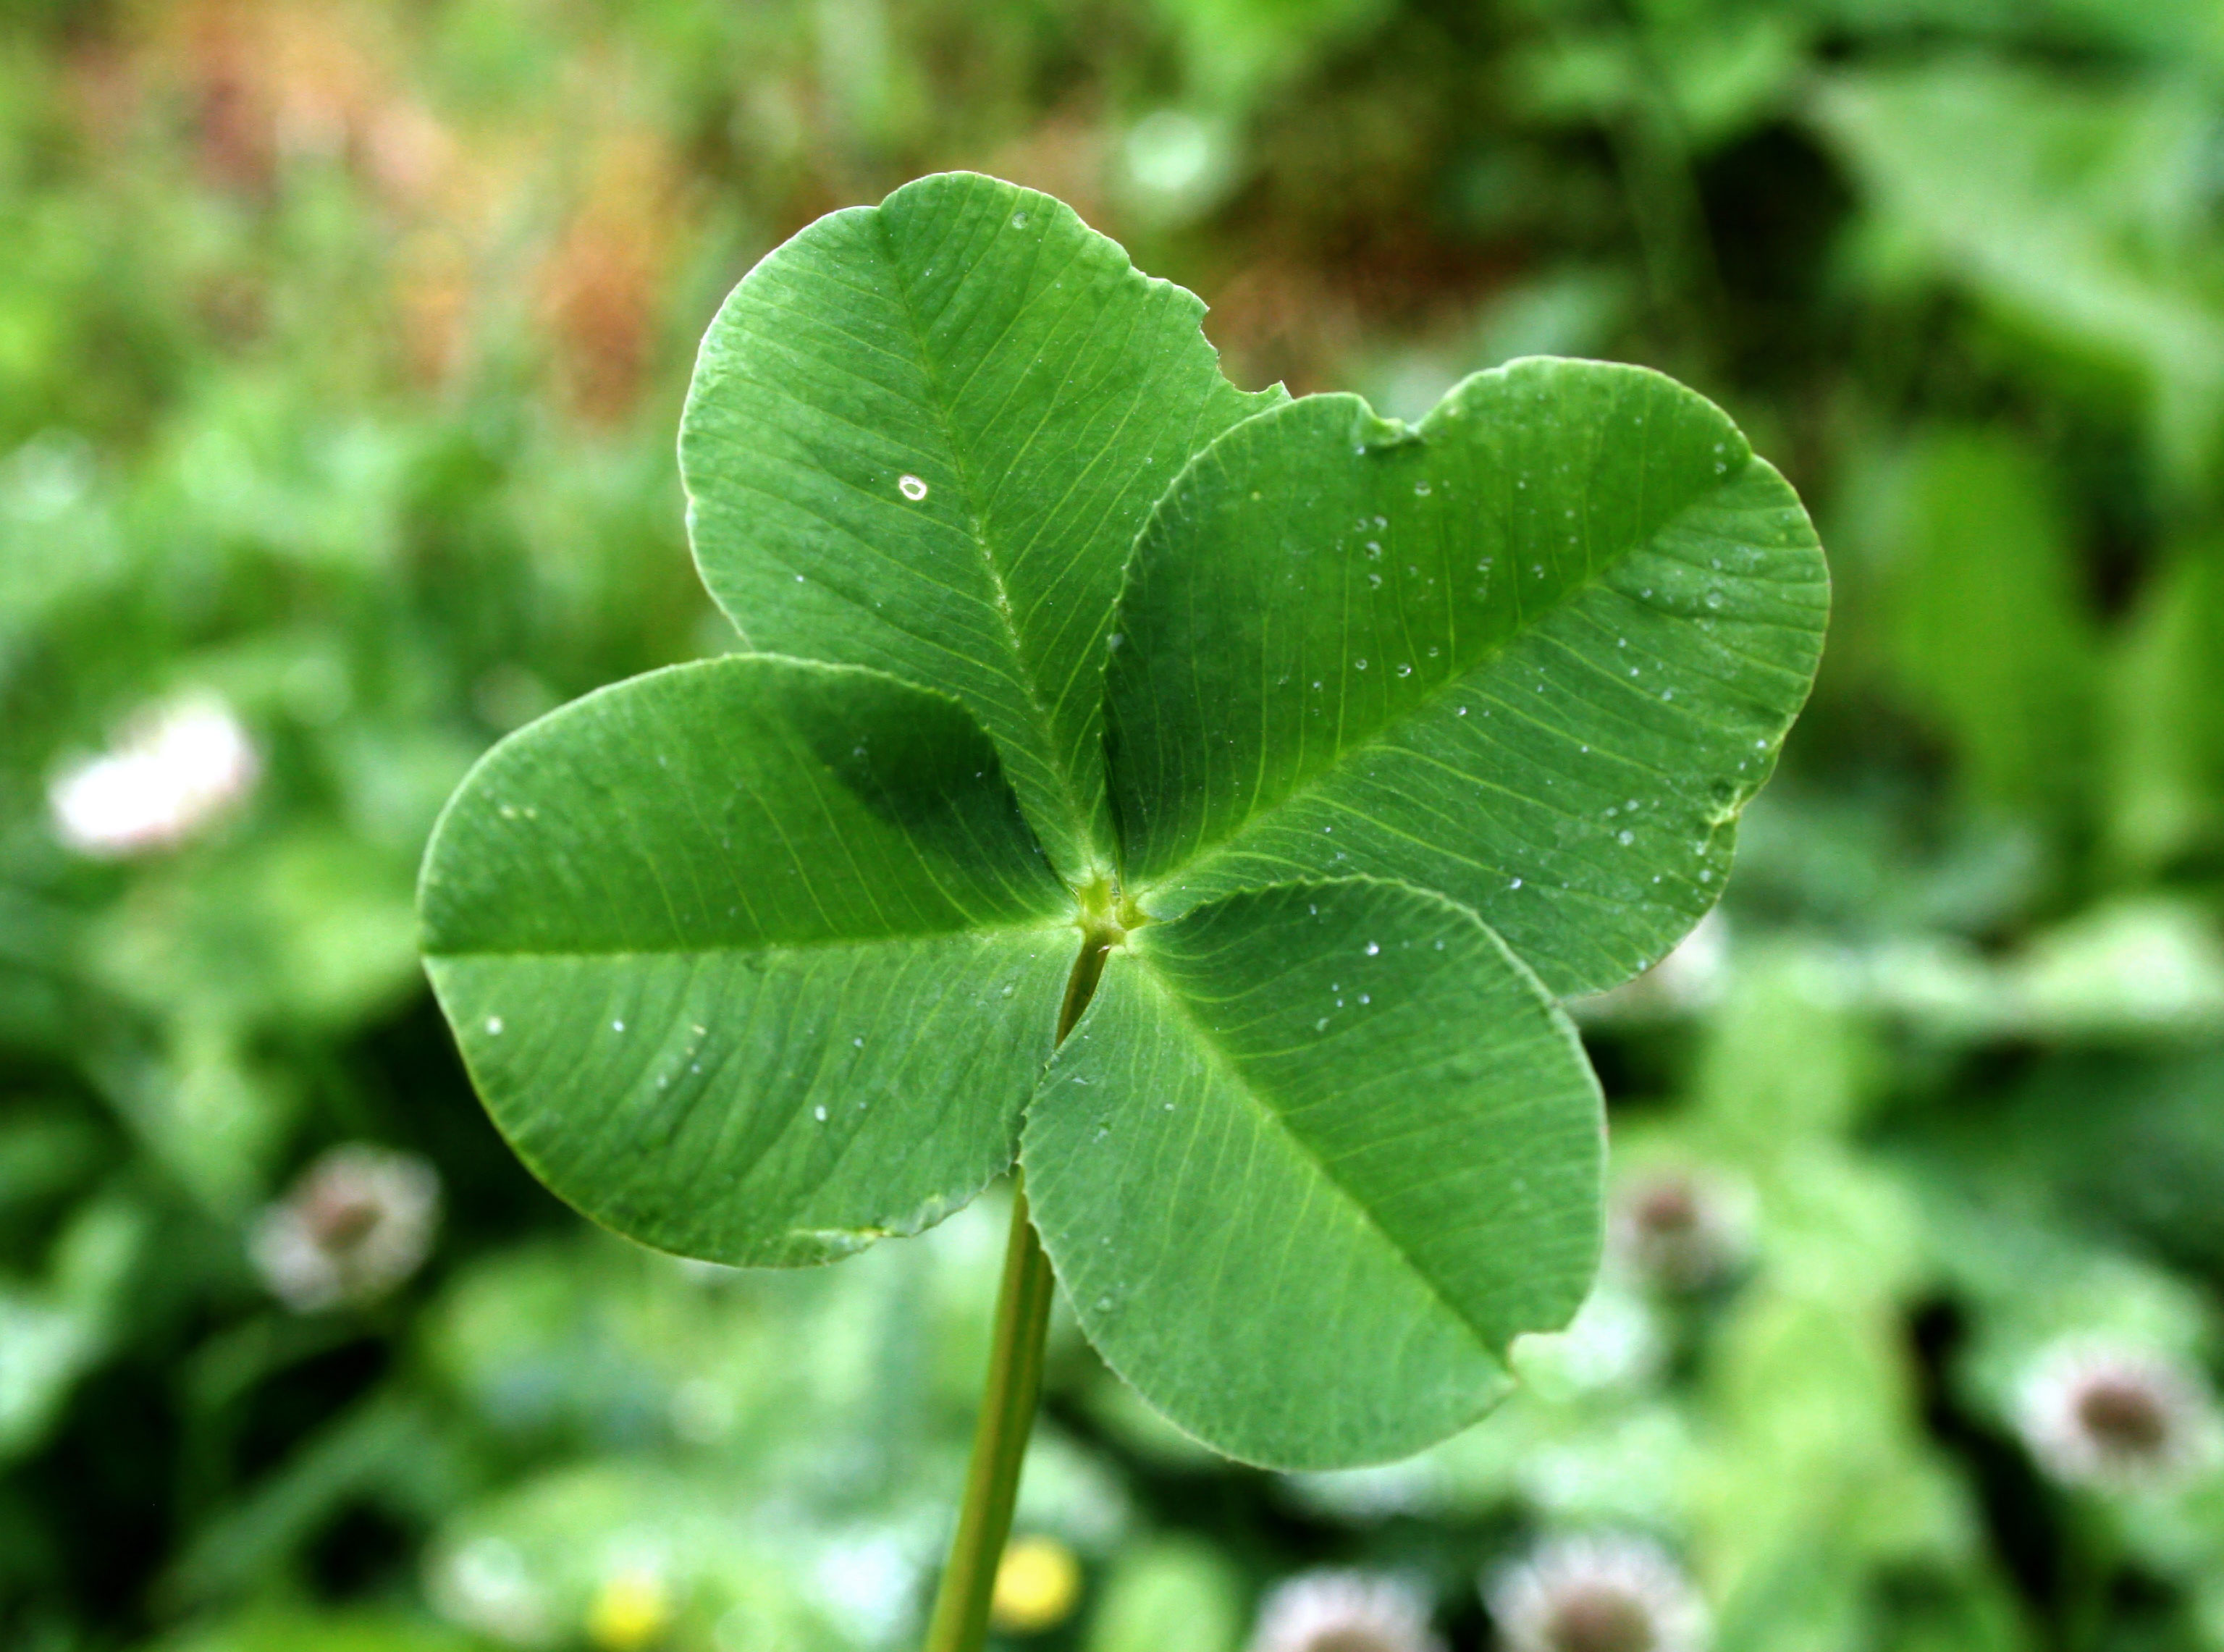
1048	923
1218	1057
1038	714
1525	626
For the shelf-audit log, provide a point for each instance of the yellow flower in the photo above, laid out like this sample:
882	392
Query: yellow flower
1038	1582
630	1610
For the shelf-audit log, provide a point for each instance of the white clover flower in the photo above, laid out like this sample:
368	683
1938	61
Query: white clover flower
357	1224
1608	1592
177	769
2114	1417
1680	1228
1344	1612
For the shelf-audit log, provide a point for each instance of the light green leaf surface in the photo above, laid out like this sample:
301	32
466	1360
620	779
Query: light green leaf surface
922	436
1535	653
751	960
1313	1158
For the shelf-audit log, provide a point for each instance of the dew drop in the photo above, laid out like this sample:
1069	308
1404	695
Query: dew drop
1364	999
1405	670
494	1026
1373	948
1019	220
1625	838
617	1026
1516	883
1422	488
911	487
1359	665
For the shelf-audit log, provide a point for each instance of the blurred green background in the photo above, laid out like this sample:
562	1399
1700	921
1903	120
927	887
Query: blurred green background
341	351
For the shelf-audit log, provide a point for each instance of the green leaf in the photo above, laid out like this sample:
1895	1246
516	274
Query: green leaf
1313	1158
922	436
1985	630
1535	653
753	959
2063	203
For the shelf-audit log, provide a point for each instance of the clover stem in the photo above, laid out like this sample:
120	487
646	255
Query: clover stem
1000	1442
960	1622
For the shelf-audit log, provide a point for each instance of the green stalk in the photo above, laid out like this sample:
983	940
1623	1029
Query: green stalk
960	1622
999	1442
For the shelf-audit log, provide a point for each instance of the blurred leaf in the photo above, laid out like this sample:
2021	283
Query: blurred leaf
386	1450
54	1333
1985	634
2132	971
279	1630
44	1150
2165	715
1168	1595
2040	193
315	928
1235	50
206	1110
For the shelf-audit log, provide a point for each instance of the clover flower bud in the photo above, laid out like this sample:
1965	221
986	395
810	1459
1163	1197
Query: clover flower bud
1601	1593
1680	1228
355	1225
1344	1612
2114	1416
177	769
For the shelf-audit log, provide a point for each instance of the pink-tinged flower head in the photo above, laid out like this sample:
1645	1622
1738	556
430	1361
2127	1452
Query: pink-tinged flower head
2114	1416
1344	1612
1599	1593
180	768
1681	1228
357	1224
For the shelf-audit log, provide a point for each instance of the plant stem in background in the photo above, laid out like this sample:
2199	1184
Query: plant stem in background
1008	1409
1000	1442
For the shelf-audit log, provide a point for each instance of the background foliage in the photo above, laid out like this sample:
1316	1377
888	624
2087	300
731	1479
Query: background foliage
341	351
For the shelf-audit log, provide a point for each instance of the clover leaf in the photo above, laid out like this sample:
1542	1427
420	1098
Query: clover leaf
923	436
1202	799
